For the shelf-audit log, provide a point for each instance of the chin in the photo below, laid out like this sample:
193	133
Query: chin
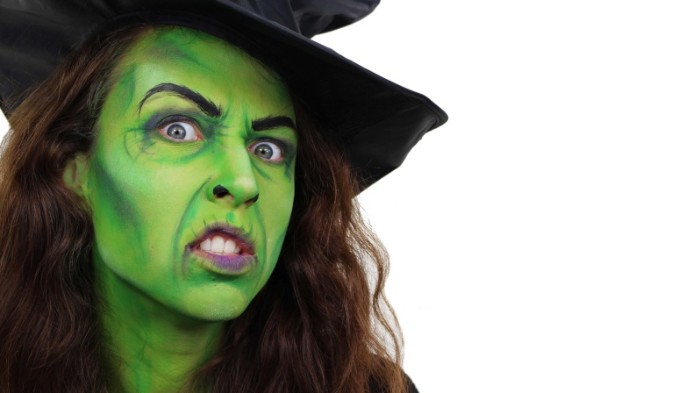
221	303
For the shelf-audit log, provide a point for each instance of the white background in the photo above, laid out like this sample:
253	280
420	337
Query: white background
546	238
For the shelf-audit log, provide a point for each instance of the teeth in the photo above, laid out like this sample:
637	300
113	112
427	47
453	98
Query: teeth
229	247
219	245
206	245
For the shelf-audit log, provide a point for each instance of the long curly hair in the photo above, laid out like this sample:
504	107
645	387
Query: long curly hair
321	324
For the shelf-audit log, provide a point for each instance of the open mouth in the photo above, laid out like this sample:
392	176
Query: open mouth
224	249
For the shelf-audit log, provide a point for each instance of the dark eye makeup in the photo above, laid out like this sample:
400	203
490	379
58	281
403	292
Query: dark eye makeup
180	129
185	128
270	150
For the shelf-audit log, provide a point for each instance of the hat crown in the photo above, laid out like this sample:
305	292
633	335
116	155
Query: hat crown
373	120
307	17
58	26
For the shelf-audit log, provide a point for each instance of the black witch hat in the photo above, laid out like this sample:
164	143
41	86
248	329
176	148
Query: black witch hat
375	121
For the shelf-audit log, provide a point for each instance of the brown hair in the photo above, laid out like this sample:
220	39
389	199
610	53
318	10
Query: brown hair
319	325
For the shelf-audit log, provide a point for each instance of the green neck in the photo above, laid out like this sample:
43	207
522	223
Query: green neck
151	352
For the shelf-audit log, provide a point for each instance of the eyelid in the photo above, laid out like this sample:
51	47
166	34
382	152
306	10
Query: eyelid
282	145
176	118
168	120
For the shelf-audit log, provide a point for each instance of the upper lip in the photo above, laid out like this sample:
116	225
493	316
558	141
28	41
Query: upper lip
239	236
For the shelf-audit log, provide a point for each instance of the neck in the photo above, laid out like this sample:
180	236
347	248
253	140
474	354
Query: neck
153	349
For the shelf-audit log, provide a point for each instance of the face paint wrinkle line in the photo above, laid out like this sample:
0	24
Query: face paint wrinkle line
262	173
171	48
128	81
126	147
142	144
188	207
206	105
145	143
123	206
265	73
247	231
288	165
263	229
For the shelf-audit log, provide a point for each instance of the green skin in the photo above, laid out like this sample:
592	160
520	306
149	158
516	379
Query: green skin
151	195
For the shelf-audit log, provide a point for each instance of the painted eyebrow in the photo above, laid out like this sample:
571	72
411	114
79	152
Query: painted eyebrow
273	122
207	106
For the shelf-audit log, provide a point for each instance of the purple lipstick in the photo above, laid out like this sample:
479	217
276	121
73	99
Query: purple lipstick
225	250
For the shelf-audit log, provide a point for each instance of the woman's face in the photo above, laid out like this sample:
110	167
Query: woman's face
191	178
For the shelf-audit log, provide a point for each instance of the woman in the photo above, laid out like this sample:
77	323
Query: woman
175	220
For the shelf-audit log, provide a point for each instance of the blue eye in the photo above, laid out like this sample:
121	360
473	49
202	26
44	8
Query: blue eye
268	150
180	131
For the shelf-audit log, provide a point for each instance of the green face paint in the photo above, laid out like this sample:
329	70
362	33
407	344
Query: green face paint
191	179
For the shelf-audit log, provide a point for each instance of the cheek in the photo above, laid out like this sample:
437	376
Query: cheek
115	216
276	201
274	210
136	213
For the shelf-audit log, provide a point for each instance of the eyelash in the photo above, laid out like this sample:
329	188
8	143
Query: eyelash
166	123
280	148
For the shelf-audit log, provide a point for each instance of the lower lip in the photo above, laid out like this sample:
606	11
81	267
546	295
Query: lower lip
230	265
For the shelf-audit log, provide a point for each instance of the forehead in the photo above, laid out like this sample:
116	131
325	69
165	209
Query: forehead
221	71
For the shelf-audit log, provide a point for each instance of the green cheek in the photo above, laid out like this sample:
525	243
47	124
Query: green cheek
112	201
189	215
281	195
116	221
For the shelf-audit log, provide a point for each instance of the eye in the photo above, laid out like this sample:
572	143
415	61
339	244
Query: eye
180	131
268	150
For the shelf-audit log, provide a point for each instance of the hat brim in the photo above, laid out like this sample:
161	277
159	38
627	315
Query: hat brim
375	121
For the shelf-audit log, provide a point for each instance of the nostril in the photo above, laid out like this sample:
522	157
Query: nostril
253	199
220	191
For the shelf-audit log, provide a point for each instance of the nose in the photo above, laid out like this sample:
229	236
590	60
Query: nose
234	182
221	192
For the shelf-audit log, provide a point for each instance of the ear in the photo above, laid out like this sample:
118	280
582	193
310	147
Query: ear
75	174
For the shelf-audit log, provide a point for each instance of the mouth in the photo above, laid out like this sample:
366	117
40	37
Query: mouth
224	249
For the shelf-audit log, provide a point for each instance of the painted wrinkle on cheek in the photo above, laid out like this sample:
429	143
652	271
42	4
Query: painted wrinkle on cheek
187	217
113	194
115	204
289	166
269	247
121	106
272	215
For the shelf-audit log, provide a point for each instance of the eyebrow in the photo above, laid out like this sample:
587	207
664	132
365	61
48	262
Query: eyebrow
273	122
207	106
